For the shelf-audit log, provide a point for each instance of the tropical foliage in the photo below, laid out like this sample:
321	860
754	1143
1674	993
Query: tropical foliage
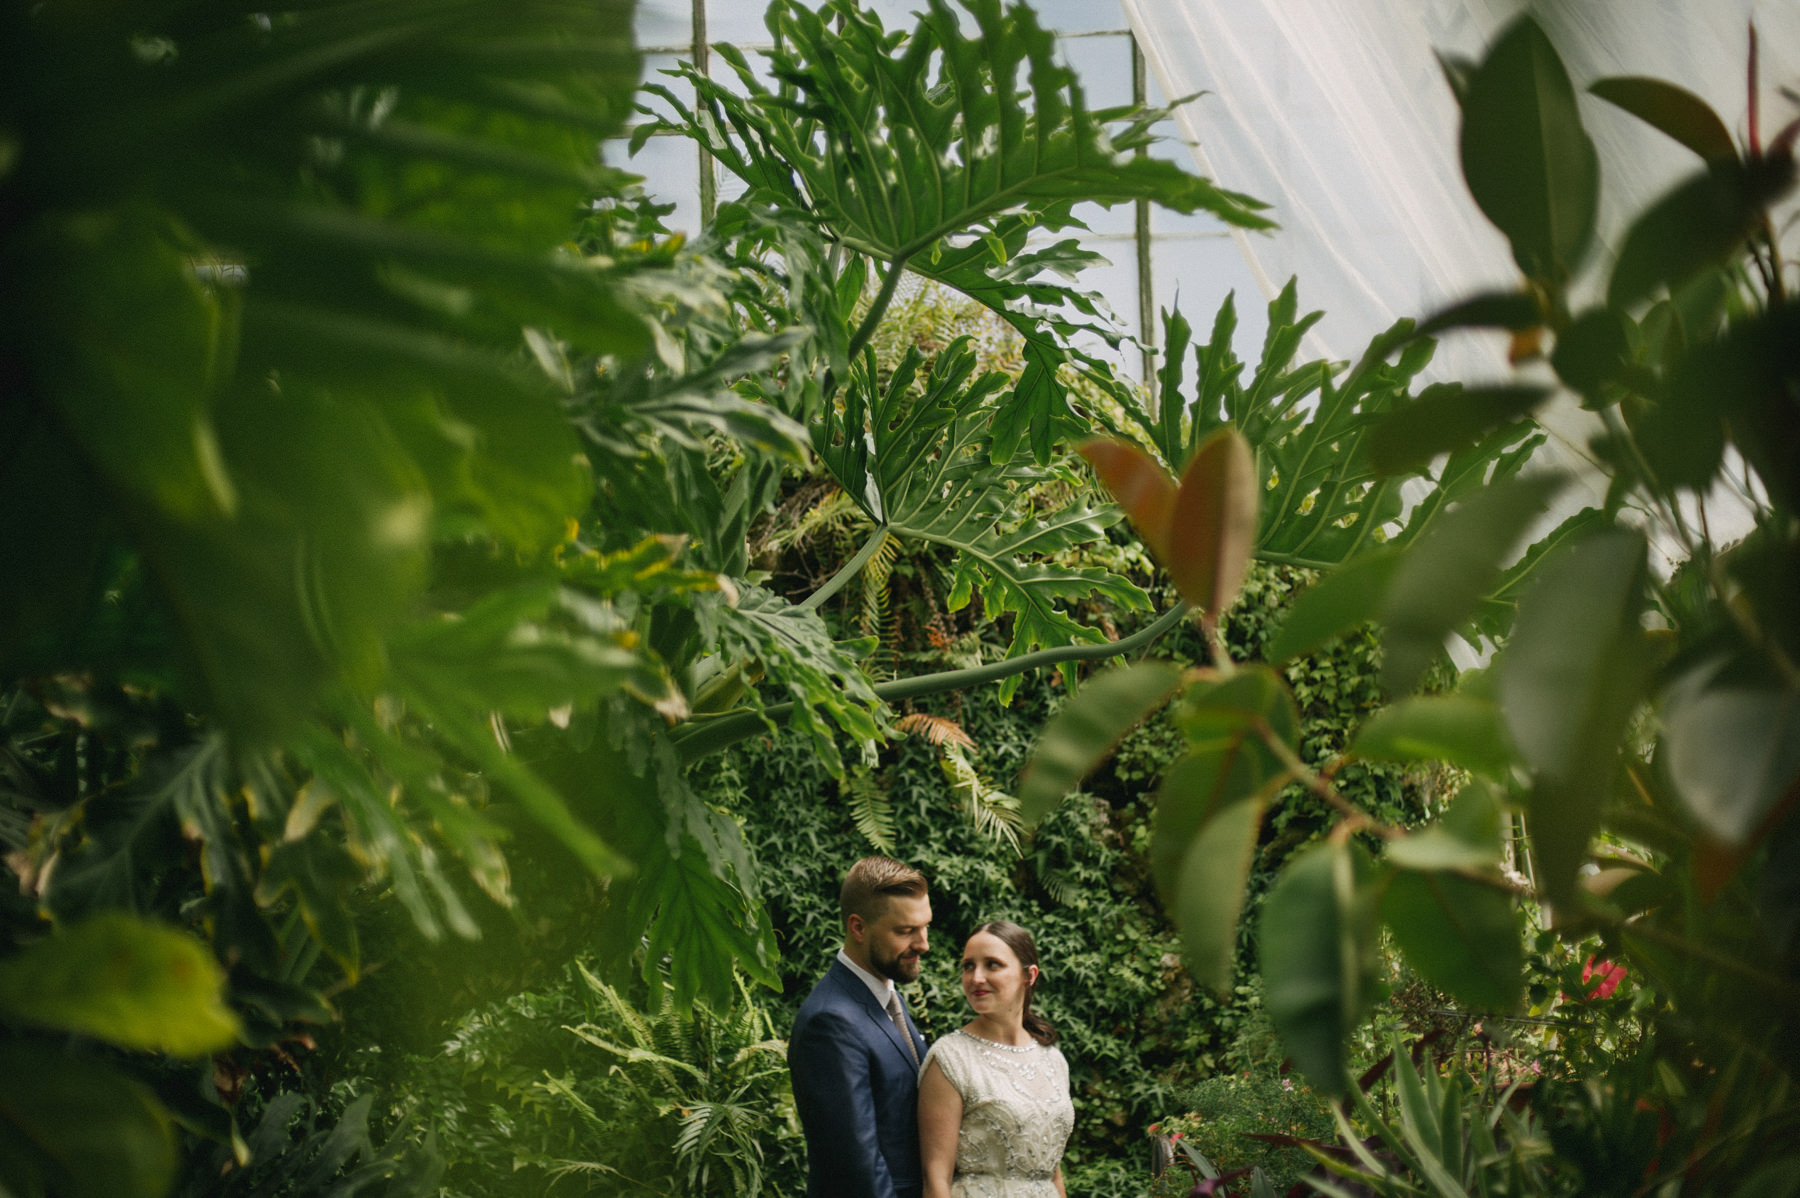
391	539
1651	818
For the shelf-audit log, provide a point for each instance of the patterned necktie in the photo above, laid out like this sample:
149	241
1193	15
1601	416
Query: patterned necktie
898	1015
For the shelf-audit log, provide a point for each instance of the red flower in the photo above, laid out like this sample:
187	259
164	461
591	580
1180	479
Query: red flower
1604	974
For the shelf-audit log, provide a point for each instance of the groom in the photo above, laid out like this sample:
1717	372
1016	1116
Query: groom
854	1055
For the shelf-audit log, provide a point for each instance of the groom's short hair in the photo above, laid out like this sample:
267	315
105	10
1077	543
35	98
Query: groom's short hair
872	881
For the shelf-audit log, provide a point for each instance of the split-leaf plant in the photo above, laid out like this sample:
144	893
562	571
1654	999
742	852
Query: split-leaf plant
1634	733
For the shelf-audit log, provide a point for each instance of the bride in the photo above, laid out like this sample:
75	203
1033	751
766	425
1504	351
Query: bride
994	1109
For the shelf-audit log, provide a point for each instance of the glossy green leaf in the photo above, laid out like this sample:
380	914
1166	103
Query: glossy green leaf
1212	528
1592	353
1439	582
1351	595
1732	745
1467	837
1316	944
1225	709
1673	110
1461	935
1087	728
1447	417
1209	898
1526	157
133	983
1700	223
1568	683
1456	729
1192	790
77	1128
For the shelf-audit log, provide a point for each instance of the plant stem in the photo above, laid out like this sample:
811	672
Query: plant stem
877	309
1309	778
700	739
846	572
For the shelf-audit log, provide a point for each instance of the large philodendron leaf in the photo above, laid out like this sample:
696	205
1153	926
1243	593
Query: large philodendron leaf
916	455
1322	500
942	151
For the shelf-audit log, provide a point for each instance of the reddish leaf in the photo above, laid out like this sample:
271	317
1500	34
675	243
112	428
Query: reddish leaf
1141	486
1212	530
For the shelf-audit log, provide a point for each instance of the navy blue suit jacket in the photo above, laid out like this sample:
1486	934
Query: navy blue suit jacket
857	1092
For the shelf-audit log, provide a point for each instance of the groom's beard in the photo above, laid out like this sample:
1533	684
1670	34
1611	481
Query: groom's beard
902	968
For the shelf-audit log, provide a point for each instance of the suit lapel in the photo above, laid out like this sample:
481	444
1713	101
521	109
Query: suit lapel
860	994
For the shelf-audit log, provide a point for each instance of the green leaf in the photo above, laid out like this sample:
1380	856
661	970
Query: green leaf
1418	1121
1466	838
1700	223
1209	898
1087	728
1732	744
1568	683
1317	949
1212	528
1671	109
1446	417
1421	1128
917	456
1494	618
1456	729
1442	578
1512	310
1349	596
77	1127
1253	697
1592	353
948	181
1461	935
125	980
1527	159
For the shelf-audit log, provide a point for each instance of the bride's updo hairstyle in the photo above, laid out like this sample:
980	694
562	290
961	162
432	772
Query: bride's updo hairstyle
1019	940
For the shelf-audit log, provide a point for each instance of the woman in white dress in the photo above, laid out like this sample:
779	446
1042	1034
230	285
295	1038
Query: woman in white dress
994	1109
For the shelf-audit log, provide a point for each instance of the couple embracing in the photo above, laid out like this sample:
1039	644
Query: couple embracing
984	1113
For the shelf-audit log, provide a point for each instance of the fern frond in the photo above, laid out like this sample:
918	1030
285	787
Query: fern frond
876	575
870	809
832	512
993	812
934	728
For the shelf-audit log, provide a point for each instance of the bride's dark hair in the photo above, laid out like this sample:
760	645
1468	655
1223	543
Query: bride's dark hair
1019	940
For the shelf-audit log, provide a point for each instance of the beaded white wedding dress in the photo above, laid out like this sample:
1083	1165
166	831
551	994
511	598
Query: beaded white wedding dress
1016	1115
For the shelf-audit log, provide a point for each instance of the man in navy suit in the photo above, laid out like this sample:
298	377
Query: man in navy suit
854	1055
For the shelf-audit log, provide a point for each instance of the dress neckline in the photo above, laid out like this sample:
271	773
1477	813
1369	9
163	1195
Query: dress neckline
1029	1047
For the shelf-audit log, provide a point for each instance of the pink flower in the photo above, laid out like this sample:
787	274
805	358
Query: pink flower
1605	975
1174	1135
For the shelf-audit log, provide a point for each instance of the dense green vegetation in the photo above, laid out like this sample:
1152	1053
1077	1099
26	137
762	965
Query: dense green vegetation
452	632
